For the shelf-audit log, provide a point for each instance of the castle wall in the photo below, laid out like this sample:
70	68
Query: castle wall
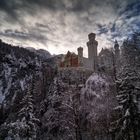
70	60
86	63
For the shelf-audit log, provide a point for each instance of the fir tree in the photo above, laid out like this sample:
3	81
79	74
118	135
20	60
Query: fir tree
128	87
26	124
26	115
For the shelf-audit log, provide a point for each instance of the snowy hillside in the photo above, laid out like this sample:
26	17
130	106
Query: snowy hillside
21	73
73	101
43	54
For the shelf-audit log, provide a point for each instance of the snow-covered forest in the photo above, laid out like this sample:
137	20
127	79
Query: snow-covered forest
39	101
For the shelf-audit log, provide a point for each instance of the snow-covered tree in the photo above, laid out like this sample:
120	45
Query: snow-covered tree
27	117
97	101
128	91
26	124
62	117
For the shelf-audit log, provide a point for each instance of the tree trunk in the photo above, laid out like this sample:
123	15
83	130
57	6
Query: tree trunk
113	136
134	133
129	136
78	134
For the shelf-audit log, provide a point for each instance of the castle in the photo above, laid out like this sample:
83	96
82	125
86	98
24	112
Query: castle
105	61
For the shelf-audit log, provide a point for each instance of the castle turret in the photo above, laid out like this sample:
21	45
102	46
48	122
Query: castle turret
92	51
80	56
117	50
117	55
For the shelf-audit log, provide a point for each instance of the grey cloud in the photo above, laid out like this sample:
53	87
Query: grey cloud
66	23
23	36
125	24
31	6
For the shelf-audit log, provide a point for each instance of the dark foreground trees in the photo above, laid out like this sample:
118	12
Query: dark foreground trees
128	92
61	120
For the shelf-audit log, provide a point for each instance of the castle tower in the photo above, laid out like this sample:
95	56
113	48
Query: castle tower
92	51
80	56
117	51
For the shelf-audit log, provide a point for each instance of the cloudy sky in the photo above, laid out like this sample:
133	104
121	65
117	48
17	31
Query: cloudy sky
61	25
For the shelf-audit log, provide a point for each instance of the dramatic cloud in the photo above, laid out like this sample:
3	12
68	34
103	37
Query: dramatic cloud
61	25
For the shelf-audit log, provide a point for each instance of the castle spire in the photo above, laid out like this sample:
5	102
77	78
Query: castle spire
117	52
116	46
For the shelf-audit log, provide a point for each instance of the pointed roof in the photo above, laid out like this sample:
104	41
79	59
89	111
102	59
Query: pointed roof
80	48
68	53
116	46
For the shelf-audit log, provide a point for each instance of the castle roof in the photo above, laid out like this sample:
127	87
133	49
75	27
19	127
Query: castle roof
91	36
70	54
116	46
105	51
80	48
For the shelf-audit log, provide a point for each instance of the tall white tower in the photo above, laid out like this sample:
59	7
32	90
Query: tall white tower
92	51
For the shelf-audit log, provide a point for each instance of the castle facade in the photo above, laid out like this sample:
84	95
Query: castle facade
105	61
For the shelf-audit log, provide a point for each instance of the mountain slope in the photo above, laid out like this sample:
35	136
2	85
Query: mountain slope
21	73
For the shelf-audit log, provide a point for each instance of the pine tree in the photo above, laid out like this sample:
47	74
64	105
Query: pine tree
26	125
62	116
128	85
26	115
128	104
